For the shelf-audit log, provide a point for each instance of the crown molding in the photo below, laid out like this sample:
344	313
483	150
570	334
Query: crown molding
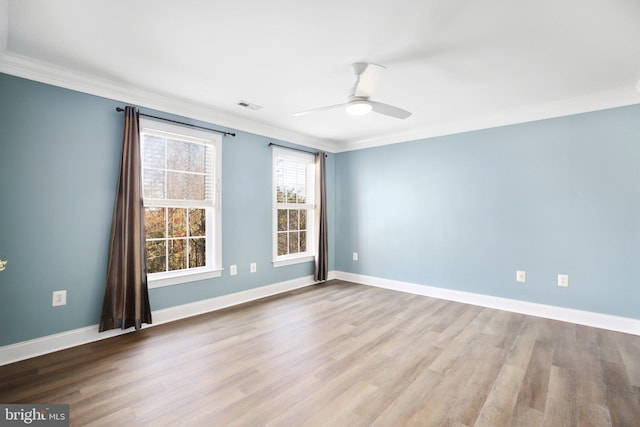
620	97
44	72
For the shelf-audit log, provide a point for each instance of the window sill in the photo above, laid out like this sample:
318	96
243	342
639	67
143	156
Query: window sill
293	261
176	279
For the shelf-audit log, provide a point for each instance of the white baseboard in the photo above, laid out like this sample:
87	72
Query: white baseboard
48	344
588	318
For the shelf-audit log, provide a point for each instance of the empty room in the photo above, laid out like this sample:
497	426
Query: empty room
302	213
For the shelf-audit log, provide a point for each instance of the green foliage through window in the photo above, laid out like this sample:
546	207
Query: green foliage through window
176	238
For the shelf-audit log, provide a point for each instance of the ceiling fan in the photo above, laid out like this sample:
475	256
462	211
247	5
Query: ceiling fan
359	103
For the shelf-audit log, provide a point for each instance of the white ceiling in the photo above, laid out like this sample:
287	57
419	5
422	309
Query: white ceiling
456	64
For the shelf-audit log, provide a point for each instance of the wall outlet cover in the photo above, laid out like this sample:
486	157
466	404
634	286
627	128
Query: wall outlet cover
521	276
563	280
59	298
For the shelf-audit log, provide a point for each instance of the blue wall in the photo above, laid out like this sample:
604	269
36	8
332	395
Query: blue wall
59	157
465	211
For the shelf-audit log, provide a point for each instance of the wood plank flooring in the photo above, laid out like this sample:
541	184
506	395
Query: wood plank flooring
342	354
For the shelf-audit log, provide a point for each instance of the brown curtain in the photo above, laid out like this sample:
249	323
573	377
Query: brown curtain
126	298
322	256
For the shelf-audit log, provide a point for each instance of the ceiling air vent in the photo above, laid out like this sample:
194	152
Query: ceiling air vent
249	105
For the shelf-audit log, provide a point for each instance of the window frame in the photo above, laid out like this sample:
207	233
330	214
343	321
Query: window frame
309	254
213	227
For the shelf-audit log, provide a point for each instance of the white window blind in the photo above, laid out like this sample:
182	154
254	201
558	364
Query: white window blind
177	168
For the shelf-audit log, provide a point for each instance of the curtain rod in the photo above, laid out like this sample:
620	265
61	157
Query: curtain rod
295	149
119	110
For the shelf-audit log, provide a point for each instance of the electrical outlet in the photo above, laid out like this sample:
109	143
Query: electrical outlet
521	276
563	280
233	270
355	256
59	298
253	267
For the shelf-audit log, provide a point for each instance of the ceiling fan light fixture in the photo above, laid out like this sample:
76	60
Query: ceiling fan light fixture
358	108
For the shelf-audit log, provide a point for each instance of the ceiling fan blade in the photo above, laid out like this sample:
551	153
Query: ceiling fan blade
368	77
315	110
389	110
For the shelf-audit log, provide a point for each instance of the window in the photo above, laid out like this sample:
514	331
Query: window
293	206
181	181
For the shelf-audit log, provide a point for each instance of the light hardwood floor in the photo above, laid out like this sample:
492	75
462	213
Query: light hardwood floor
342	354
